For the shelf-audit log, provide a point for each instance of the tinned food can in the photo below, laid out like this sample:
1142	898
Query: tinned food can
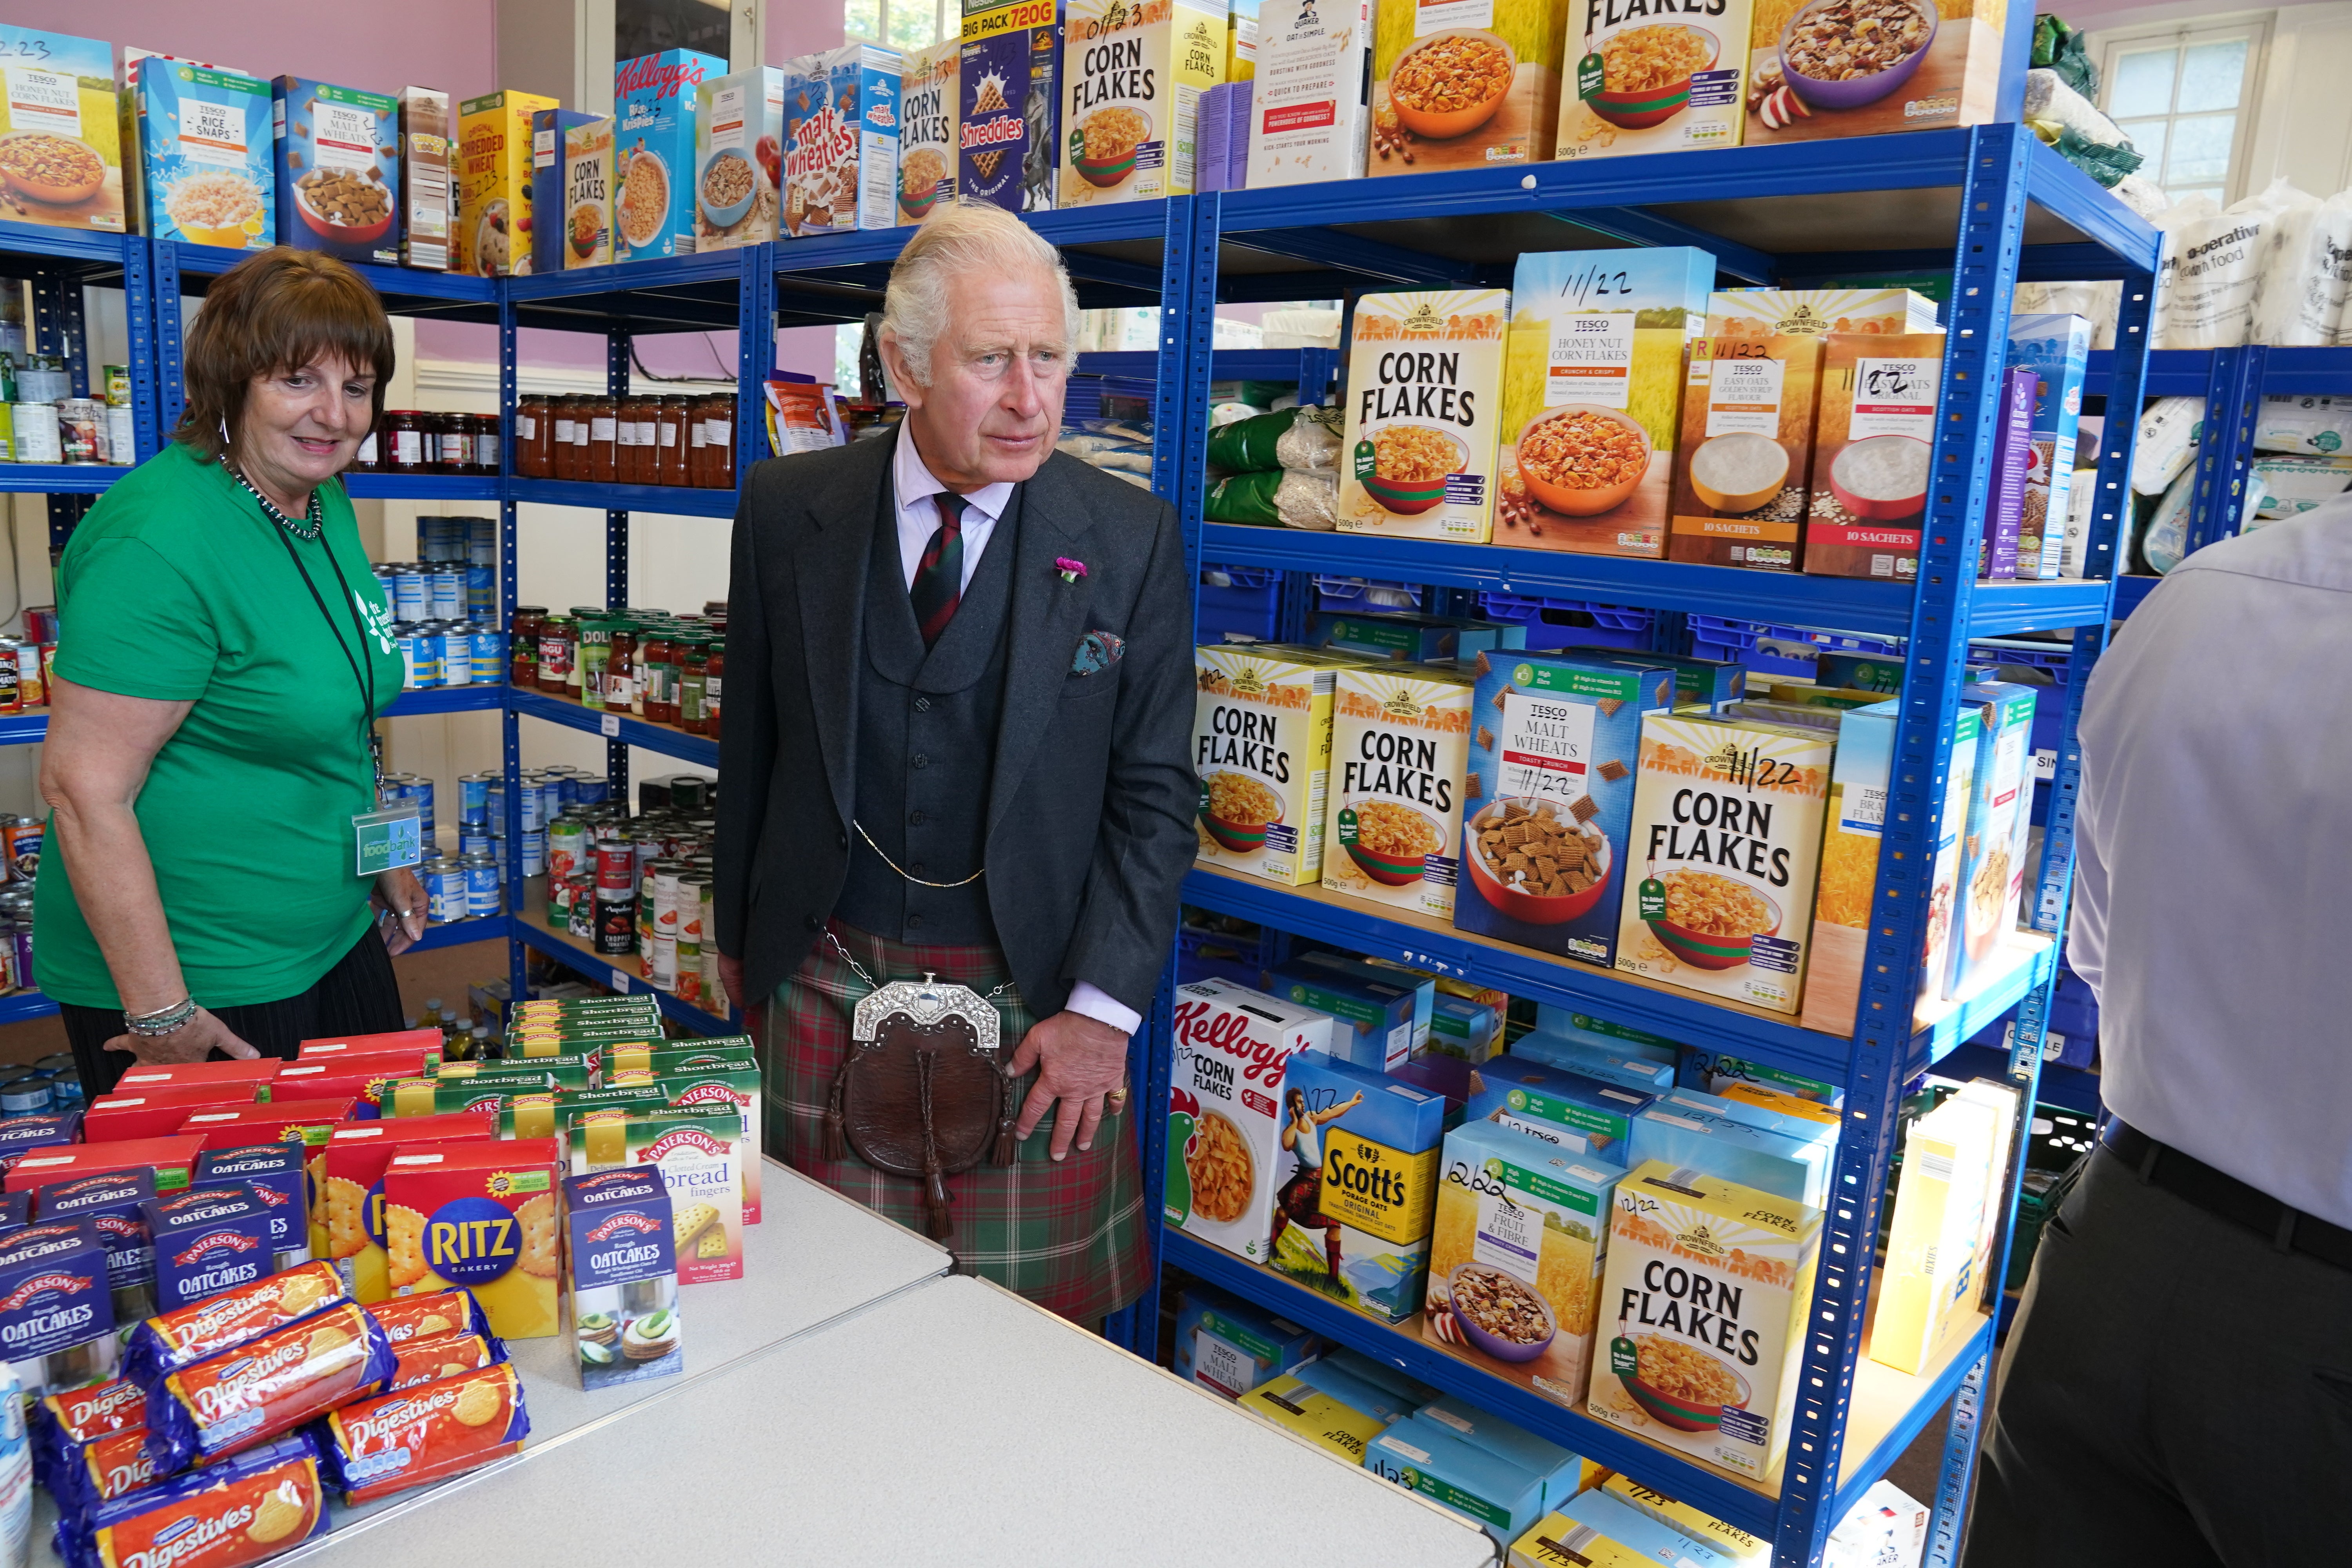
482	884
445	891
617	869
567	847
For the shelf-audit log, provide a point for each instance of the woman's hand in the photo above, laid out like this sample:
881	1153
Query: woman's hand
193	1041
399	892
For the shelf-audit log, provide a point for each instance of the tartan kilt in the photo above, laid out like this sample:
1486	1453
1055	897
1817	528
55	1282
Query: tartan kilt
1070	1237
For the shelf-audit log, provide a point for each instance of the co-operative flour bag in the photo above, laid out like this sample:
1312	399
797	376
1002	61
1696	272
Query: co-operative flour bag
2291	261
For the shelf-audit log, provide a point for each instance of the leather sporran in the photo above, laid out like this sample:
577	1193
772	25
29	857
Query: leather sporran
922	1092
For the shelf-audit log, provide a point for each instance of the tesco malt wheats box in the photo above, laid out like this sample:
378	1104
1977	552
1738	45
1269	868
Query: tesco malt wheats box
338	169
1231	1046
654	98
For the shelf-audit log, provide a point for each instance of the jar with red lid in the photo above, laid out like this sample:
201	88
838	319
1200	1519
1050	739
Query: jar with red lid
403	449
522	644
604	465
719	427
558	648
671	445
484	429
714	667
452	444
657	660
534	441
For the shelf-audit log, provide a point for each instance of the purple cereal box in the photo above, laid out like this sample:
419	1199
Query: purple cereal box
1008	102
2013	455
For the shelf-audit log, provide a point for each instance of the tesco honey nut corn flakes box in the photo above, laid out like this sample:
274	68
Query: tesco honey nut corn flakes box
1593	396
1133	72
1230	1048
1262	747
1465	84
60	130
1653	79
483	1216
1700	1306
1400	738
1424	384
1357	1154
493	227
1823	68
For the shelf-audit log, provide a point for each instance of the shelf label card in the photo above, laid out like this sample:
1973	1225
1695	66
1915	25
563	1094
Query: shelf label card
621	980
610	725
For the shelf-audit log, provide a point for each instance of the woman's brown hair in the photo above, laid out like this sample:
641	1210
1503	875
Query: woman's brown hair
278	310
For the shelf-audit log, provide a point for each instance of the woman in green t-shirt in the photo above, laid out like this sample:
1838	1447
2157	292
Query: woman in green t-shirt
223	651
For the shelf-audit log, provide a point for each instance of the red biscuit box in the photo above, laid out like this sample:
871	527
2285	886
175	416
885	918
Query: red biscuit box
157	1112
346	1190
426	1040
482	1216
140	1076
169	1158
361	1074
281	1122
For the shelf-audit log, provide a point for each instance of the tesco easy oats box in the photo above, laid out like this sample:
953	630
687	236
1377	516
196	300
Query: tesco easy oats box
1424	406
1262	749
1400	735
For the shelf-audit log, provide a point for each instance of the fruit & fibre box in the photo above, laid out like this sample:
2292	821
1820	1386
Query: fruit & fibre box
1705	1283
1549	798
1133	80
1515	1256
1231	1046
1425	408
208	1239
1400	737
1743	472
347	1213
1645	81
1262	747
1863	68
57	1306
1573	1028
739	142
1008	103
482	1216
207	173
1464	86
1470	1031
1566	1109
169	1158
2057	349
2000	813
1438	640
494	224
338	169
621	1268
927	154
275	1175
652	151
1356	1158
114	1203
1871	450
60	138
1229	1346
551	236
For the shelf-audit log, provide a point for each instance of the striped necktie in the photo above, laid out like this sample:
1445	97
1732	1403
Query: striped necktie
939	576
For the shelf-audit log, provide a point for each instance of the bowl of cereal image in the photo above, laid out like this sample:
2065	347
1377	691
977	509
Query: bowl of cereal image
1410	466
1881	479
1389	843
1681	1385
348	208
1499	1314
215	206
1104	147
1843	54
727	188
1449	84
1581	459
643	204
1236	810
921	179
586	230
1645	73
45	167
1712	921
1534	861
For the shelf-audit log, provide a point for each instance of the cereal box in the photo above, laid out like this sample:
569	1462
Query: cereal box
1578	1112
739	145
1705	1285
1520	1233
1593	396
1549	798
1357	1162
1726	835
587	193
1262	747
482	1216
60	138
654	98
1863	68
1734	1545
839	164
1849	871
1297	1406
156	1112
1400	737
2012	454
2057	350
338	169
2000	810
1465	84
1134	74
550	240
1426	1457
1424	381
1008	102
494	198
1871	453
56	1308
1742	477
207	173
1811	313
1231	1047
1308	101
1556	1541
620	1267
347	1214
927	154
1931	1283
1229	1346
1643	79
1971	724
425	206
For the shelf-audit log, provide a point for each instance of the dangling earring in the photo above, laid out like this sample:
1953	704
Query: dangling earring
224	441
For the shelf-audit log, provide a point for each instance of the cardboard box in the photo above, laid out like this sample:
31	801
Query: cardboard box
1642	80
2000	810
1928	1288
1813	312
1358	1162
1464	86
426	210
2057	349
929	84
708	1084
1361	972
654	101
1470	1031
552	236
1742	478
1425	1458
156	1112
363	1077
1944	72
588	193
338	166
494	222
1133	76
1971	724
1566	1109
739	146
1848	879
170	1158
1733	1545
1622	1522
429	1041
208	1239
1311	99
1230	1046
1557	1540
1871	450
1298	1407
1008	103
702	1153
1621	1040
206	172
139	1077
839	164
1779	1101
620	1268
1608	1062
482	1216
1412	639
1424	381
21	1135
1244	34
61	87
57	1315
1229	1346
347	1209
274	1174
1400	740
1262	747
305	1121
2013	455
113	1203
1690	1128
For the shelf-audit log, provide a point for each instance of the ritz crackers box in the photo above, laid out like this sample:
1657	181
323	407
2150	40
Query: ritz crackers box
347	1217
652	151
492	235
338	167
1231	1046
1425	375
1133	76
482	1216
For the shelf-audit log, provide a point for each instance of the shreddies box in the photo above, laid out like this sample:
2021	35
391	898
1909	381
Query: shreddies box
1262	747
1307	99
1231	1046
1400	737
652	151
1743	472
206	173
1424	382
493	226
1862	68
738	141
1008	102
1465	84
1652	79
60	138
1357	1157
1593	396
1871	454
482	1216
1705	1283
338	169
927	154
1849	869
1133	73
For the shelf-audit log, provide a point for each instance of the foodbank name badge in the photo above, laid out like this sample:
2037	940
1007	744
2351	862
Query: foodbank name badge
388	840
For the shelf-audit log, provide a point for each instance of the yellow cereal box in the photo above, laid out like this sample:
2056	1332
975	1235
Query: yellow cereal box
1465	84
1134	71
1262	747
1701	1304
1650	79
60	130
1400	736
1811	313
493	231
1863	68
1425	384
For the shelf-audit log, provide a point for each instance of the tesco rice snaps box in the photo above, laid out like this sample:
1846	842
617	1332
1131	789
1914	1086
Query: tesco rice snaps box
1871	452
1262	747
57	1309
1823	68
1133	76
654	101
1008	102
482	1216
338	169
1549	799
209	1239
1424	410
1358	1162
927	154
1653	79
206	171
1400	737
621	1268
1464	85
739	145
1231	1046
60	137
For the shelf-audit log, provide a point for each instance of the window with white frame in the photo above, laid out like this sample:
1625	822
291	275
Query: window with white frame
900	23
2185	95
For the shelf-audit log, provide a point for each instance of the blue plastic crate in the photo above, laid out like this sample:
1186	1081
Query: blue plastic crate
1768	647
1242	599
1210	955
1358	595
1570	623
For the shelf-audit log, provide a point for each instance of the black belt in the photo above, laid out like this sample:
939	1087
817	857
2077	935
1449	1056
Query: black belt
2287	1229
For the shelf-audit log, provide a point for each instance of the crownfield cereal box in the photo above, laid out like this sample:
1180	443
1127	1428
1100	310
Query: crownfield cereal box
1231	1047
1425	409
1645	78
652	151
1262	747
60	137
482	1216
927	130
1821	69
1812	312
1400	735
494	225
1133	73
1465	84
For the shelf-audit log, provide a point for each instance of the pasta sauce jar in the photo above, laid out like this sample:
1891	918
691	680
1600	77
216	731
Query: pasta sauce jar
534	445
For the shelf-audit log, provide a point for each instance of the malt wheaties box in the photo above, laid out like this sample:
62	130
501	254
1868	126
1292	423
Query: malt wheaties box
493	224
1822	68
841	161
1400	737
2057	349
338	167
1231	1047
1547	798
1743	473
1262	747
1133	79
1008	102
1593	395
1871	452
1465	84
551	190
1356	1158
927	130
654	101
1645	78
60	130
206	172
739	142
1309	93
1424	398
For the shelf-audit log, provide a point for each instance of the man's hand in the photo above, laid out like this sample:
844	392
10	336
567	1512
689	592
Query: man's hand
1083	1059
193	1041
731	975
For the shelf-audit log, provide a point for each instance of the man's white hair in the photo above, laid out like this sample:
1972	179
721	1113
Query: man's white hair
965	235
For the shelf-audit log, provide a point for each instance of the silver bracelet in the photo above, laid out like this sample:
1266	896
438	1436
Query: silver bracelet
165	1021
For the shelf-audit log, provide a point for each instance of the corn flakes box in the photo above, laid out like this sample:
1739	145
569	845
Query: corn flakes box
482	1216
1400	738
1705	1286
1849	869
1465	84
1262	747
347	1193
492	234
1593	396
1652	79
207	173
1812	312
1871	452
739	142
587	193
1424	382
1008	103
1357	1157
1231	1047
654	98
1728	835
927	154
1134	72
338	169
60	133
1521	1231
1743	473
1549	799
1864	67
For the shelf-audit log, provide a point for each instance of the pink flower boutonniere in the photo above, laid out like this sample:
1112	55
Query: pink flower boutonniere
1071	571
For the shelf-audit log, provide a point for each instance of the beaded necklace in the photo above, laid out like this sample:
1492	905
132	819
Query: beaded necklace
306	529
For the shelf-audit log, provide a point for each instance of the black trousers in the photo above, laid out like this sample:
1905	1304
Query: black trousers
357	996
2177	1393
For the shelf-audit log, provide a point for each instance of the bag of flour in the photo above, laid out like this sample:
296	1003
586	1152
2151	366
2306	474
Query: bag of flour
2299	293
2212	263
2168	430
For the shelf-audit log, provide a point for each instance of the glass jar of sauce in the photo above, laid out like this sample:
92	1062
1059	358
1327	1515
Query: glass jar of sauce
403	449
557	645
534	456
484	430
453	440
620	660
721	421
603	459
693	675
657	662
637	441
671	448
714	667
522	645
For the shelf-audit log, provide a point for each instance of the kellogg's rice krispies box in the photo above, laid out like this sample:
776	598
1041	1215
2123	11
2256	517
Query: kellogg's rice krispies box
621	1267
1262	747
482	1216
652	151
1425	408
1400	735
1231	1046
1358	1158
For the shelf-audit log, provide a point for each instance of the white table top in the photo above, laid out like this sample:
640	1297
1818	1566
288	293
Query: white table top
952	1422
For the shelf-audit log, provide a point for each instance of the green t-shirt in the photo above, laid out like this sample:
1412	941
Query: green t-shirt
176	587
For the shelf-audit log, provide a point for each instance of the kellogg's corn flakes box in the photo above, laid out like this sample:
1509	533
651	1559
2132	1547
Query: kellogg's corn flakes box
1400	734
1653	79
1262	747
1424	406
60	135
1134	72
1229	1047
1465	84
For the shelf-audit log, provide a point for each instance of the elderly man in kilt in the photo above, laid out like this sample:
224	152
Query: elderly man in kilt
958	744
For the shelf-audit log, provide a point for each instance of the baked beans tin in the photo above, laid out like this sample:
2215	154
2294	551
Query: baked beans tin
477	841
534	802
410	593
457	651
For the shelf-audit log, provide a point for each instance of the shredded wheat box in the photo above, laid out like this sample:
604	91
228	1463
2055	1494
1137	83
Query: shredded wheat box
1705	1287
1871	454
1262	747
1134	72
1008	102
1742	474
1307	106
1465	84
493	227
927	155
1424	384
1728	835
1653	79
1593	396
1849	872
1231	1048
1400	736
1863	68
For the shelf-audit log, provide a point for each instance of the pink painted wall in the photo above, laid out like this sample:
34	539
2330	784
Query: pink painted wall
803	27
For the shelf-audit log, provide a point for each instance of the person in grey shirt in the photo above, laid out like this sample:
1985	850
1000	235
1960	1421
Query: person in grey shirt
2178	1387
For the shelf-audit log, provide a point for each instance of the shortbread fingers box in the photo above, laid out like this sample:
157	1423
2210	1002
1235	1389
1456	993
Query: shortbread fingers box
1358	1178
1231	1047
1646	79
347	1214
1871	451
1700	1308
1309	95
1133	79
1262	749
1742	475
1008	102
621	1268
1548	797
732	1080
927	154
482	1216
1465	84
1424	410
700	1151
1400	738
